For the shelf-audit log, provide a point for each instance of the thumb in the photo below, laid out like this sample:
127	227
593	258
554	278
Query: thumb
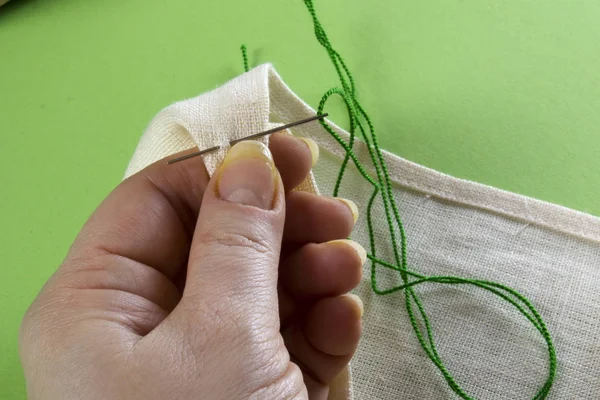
234	256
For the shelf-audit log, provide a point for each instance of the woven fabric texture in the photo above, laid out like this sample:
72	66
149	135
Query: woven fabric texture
548	253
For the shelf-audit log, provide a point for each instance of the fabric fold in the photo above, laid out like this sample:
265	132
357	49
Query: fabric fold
549	253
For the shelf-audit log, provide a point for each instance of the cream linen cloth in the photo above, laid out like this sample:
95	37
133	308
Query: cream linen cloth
454	227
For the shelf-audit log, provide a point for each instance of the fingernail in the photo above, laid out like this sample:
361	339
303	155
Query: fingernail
313	147
248	175
357	247
359	304
352	206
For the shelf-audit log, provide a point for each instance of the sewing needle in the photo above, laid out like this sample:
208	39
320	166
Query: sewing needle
254	136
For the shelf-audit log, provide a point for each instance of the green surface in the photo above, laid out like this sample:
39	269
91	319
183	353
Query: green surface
502	92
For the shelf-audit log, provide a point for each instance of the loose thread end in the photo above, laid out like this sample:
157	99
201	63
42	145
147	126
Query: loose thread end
245	57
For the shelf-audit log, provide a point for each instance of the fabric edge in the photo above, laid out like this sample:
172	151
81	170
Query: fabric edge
428	181
546	214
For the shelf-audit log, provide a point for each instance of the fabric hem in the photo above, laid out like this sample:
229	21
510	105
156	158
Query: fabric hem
428	181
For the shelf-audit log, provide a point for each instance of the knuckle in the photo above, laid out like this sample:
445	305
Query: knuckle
219	325
287	383
252	241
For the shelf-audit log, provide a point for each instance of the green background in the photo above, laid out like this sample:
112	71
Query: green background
501	92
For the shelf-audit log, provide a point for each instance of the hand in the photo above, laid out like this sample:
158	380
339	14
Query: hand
185	287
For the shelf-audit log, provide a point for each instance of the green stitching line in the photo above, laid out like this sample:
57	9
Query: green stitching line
382	186
245	57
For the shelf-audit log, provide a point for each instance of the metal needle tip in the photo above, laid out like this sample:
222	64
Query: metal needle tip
232	142
191	155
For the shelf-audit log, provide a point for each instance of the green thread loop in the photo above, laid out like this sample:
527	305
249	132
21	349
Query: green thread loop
245	57
381	183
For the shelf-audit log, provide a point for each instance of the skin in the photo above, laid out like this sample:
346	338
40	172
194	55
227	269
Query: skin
185	287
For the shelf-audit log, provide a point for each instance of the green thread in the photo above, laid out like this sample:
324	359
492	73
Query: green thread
245	57
382	186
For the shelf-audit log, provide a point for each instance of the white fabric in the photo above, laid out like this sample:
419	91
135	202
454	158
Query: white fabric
454	227
237	109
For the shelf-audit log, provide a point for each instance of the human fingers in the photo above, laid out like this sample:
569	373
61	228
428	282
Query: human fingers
324	269
151	216
317	219
294	157
323	344
234	254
